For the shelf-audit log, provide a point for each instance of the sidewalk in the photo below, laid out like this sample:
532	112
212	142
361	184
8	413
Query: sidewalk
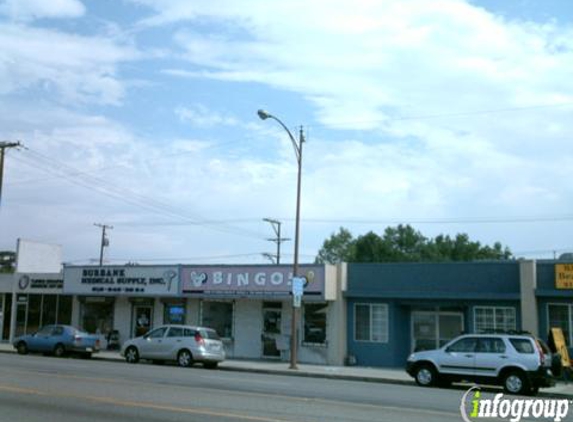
349	373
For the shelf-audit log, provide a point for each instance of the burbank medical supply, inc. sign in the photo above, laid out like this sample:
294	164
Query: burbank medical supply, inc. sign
125	280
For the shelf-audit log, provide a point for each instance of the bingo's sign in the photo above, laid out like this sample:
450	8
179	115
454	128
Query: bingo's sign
249	281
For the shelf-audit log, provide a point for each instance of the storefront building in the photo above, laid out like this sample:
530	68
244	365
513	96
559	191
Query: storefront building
128	300
6	283
395	309
249	306
553	289
30	300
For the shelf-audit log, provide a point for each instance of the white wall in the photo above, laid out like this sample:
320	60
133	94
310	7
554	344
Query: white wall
247	327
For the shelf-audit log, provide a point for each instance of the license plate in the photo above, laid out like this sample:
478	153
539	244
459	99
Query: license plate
89	349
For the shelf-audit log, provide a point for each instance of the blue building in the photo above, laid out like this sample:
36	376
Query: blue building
395	309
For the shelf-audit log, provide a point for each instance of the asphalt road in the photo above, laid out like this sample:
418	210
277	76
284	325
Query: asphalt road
46	389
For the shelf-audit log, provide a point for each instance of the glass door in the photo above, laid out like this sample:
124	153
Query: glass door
433	329
272	314
142	316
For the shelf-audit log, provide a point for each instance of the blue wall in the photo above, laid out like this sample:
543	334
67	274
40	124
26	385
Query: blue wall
439	280
419	286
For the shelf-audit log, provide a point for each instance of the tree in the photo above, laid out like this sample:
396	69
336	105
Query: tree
338	248
404	244
7	261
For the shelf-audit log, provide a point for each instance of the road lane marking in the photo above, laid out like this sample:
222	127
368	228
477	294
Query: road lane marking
144	405
245	380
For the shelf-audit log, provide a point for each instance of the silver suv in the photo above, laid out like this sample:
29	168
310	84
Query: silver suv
520	363
181	343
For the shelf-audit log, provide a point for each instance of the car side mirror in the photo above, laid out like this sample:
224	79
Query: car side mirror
448	350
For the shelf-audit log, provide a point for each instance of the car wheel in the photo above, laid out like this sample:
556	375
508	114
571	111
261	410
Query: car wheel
184	358
59	350
22	348
211	365
131	355
515	382
425	375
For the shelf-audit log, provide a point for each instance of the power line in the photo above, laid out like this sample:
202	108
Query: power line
83	179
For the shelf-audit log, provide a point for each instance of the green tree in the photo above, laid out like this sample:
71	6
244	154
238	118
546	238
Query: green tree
339	247
7	262
405	244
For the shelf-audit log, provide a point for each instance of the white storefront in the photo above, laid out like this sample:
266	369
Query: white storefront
249	306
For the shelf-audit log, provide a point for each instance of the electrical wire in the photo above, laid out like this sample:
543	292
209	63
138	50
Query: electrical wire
80	178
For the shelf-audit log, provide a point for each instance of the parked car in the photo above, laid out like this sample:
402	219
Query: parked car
520	363
180	343
58	340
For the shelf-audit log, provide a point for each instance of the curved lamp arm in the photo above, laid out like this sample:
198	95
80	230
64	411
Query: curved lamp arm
263	115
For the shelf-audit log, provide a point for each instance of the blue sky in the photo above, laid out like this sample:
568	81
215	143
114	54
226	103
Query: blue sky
452	116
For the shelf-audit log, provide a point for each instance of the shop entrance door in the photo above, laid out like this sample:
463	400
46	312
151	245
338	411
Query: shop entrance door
143	319
433	329
272	314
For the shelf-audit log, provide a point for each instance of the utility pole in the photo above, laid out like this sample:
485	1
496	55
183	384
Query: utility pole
3	147
104	240
278	240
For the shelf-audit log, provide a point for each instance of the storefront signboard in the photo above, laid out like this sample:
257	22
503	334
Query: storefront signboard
264	281
564	276
39	283
122	281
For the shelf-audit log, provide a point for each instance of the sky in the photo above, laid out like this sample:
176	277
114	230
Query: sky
453	116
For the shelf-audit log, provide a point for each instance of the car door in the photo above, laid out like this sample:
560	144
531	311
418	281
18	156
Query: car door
152	344
172	343
459	357
490	356
40	341
58	335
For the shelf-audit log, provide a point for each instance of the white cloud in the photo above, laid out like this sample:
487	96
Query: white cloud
74	68
26	10
200	115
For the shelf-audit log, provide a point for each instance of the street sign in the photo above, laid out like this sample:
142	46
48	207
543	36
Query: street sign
296	301
298	286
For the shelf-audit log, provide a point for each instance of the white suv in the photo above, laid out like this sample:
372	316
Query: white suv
520	362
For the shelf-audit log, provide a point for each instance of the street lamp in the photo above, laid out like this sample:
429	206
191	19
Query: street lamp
298	153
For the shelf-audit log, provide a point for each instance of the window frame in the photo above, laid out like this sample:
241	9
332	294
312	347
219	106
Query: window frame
385	328
315	343
569	307
494	309
233	316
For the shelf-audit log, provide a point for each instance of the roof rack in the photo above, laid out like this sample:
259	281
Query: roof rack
499	331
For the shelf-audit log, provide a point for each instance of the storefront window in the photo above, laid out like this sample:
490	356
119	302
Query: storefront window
315	323
218	316
560	317
49	308
174	313
494	318
97	317
64	310
371	322
34	313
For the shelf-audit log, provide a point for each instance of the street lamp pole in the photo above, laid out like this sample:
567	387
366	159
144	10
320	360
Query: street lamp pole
298	153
